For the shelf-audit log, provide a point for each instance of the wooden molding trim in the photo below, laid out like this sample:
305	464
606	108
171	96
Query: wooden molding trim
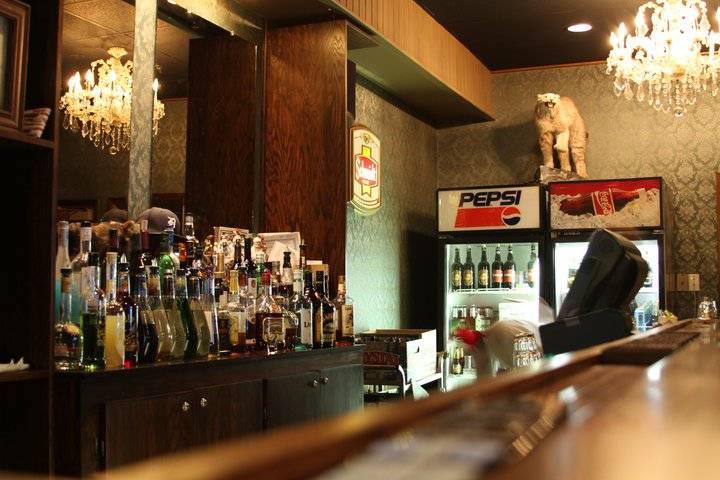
410	29
546	67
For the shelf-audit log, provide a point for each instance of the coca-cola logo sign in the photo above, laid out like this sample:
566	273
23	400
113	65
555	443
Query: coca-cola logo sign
603	202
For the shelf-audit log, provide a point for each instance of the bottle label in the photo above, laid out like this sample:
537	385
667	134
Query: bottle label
237	325
348	326
509	277
483	278
318	334
497	276
468	278
328	327
456	278
115	340
305	326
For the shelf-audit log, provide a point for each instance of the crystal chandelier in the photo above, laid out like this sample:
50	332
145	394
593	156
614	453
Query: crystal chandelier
99	107
669	63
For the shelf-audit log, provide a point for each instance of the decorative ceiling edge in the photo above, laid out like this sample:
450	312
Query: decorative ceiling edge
546	67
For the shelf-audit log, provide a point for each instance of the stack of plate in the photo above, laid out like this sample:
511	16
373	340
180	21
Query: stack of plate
34	121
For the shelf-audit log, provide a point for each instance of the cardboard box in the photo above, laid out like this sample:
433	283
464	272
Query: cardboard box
417	349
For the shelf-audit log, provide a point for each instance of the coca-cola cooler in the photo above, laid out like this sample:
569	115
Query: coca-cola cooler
638	208
497	218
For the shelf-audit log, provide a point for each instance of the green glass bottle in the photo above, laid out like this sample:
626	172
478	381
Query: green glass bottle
165	261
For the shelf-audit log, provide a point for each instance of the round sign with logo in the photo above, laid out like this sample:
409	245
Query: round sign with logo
364	170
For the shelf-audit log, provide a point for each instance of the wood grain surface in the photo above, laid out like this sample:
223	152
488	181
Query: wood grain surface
305	138
219	178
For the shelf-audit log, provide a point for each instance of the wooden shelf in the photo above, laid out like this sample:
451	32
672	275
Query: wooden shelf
15	140
23	375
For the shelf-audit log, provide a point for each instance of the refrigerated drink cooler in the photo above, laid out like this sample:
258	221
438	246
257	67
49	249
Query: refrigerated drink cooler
636	208
507	283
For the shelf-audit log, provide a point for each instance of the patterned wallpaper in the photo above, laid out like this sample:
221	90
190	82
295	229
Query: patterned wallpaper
626	140
86	172
390	255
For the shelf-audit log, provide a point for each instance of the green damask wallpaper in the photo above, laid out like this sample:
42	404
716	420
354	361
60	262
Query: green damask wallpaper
626	140
390	255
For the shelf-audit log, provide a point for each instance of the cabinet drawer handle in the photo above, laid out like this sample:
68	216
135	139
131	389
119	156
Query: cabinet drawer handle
325	380
185	406
203	402
314	384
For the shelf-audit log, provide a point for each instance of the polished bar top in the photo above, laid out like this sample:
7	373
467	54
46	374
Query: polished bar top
620	418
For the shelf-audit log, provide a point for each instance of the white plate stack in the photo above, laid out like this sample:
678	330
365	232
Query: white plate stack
34	121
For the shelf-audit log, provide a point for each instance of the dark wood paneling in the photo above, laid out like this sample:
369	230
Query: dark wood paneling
219	174
305	138
303	389
229	411
342	389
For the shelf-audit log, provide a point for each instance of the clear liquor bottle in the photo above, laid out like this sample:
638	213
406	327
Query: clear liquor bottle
62	260
131	314
326	314
93	316
290	323
344	309
270	331
78	265
301	306
148	340
165	330
68	337
115	316
174	316
198	313
183	305
236	315
247	301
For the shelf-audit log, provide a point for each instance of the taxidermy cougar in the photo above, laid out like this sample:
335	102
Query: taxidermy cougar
558	118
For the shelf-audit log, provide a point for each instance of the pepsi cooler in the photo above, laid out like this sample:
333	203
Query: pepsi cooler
499	219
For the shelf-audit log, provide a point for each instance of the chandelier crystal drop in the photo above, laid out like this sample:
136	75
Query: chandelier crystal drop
669	62
99	107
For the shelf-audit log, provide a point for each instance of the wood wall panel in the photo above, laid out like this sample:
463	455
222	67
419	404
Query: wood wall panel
305	138
219	179
413	31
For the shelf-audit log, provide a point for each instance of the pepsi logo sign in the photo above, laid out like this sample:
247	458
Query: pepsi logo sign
511	216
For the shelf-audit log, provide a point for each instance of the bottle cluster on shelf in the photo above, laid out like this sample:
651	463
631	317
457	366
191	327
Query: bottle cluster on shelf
498	276
182	302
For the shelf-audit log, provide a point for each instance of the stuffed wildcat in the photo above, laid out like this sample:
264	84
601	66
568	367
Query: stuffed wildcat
557	118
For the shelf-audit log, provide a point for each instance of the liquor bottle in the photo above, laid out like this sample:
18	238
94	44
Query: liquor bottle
276	277
237	255
174	316
246	301
224	321
301	305
345	335
93	316
148	338
132	315
182	255
189	231
192	335
165	330
269	328
468	270
113	245
209	307
198	313
456	272
165	262
249	264
497	270
115	315
77	265
483	271
532	267
236	317
325	314
62	260
286	277
141	256
317	324
290	321
302	261
509	270
68	337
259	270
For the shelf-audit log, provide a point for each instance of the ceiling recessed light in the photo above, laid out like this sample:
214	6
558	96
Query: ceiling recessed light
579	28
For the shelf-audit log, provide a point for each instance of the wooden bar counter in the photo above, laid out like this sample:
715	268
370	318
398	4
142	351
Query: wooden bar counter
623	421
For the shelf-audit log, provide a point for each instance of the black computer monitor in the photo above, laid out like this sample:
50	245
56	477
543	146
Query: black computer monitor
596	308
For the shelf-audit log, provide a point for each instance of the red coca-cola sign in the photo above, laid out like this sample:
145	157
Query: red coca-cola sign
619	204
